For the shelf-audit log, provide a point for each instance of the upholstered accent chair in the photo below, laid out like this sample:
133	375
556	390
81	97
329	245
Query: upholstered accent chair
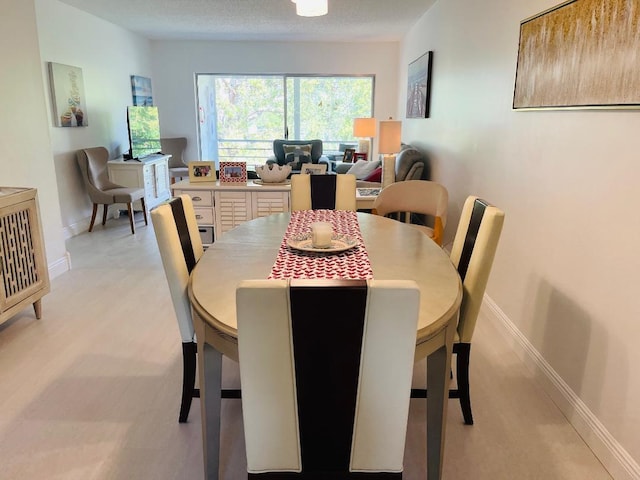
332	192
101	190
180	249
325	370
175	147
296	152
421	197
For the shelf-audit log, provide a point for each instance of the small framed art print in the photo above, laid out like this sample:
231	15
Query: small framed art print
348	155
233	172
202	172
314	168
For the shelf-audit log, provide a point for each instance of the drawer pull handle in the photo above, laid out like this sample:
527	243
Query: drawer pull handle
197	199
198	217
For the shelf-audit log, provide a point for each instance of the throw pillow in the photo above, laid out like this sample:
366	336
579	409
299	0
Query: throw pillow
301	149
375	176
363	168
300	159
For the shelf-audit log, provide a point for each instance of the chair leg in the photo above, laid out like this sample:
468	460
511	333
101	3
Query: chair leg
144	211
93	216
105	208
189	350
463	351
130	211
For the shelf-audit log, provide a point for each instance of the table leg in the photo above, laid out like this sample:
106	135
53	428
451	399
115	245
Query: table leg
438	378
210	375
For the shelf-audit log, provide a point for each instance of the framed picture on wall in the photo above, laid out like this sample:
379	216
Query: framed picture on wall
579	55
141	91
419	86
67	95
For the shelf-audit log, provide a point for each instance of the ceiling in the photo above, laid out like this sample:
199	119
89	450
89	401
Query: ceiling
266	20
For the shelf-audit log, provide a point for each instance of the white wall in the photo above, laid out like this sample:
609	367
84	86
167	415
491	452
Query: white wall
175	64
567	265
108	55
25	150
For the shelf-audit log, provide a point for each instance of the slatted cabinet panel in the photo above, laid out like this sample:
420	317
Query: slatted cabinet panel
232	209
24	278
264	204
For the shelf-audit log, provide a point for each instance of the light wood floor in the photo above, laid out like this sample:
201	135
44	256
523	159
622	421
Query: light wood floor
92	390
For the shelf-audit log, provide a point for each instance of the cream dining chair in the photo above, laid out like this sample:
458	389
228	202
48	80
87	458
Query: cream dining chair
180	247
325	370
416	196
314	192
473	251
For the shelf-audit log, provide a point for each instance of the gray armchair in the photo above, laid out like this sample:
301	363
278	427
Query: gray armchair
101	190
296	152
175	147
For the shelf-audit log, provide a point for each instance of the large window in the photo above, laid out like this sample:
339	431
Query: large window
241	115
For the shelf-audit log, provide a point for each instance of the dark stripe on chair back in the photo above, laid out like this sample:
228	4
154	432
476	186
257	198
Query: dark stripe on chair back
177	208
323	191
479	207
327	325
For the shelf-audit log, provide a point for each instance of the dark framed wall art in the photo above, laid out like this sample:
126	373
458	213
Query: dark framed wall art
580	54
419	86
141	91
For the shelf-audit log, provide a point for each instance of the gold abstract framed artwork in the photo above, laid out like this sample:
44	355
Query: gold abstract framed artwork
580	54
67	95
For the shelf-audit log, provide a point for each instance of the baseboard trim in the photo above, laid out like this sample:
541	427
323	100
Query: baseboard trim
607	449
76	228
60	266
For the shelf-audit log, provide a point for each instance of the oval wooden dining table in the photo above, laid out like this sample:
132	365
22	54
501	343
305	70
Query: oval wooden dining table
395	250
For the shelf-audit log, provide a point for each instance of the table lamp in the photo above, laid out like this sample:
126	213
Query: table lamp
364	129
389	145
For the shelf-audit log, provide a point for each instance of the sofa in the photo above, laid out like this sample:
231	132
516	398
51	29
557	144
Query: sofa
410	165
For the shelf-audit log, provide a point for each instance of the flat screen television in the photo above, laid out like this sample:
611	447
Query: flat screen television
144	131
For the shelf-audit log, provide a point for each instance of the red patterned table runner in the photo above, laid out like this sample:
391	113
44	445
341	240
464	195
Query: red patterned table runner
350	264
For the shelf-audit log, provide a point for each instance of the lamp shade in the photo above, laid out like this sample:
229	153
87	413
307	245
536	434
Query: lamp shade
390	136
311	8
364	127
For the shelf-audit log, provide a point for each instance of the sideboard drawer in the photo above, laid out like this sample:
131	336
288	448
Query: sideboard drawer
204	216
201	198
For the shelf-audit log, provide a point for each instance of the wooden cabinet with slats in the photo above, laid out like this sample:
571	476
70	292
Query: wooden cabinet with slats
221	207
24	277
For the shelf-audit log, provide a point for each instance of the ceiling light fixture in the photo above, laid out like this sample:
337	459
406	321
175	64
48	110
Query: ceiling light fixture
311	8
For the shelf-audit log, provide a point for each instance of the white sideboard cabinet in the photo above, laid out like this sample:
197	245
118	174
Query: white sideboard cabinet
151	173
221	207
24	275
